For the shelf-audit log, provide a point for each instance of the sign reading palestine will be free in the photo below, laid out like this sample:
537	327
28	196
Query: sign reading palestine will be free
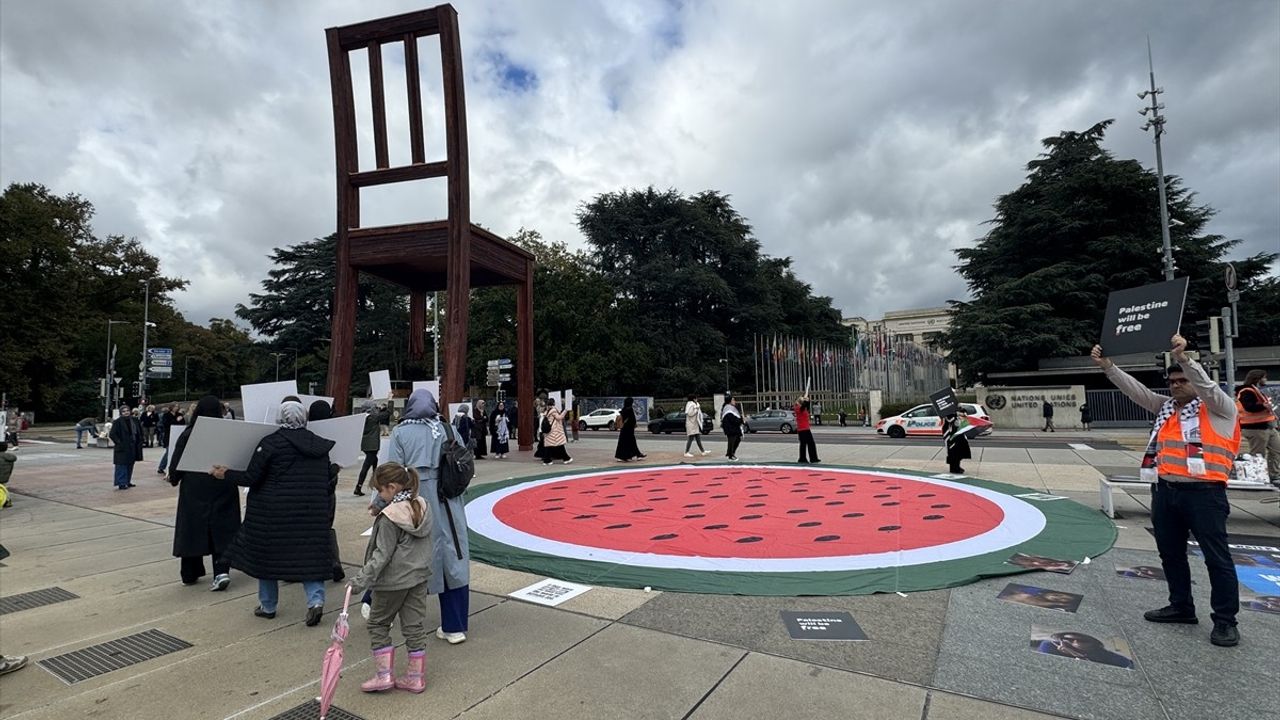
1142	319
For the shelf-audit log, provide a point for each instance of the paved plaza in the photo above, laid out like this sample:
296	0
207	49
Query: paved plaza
950	654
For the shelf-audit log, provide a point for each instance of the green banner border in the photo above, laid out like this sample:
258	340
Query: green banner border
1072	532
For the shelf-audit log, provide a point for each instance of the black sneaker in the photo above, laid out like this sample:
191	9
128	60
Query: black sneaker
1224	635
358	492
259	612
313	615
1170	614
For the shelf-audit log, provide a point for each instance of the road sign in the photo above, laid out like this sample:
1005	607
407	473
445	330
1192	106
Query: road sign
159	351
504	377
158	375
156	362
1229	275
507	366
500	363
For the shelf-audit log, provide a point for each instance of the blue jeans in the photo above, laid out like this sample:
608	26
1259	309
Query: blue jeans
164	460
81	432
269	593
124	475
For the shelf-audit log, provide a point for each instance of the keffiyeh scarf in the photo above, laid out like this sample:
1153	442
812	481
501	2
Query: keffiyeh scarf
1188	417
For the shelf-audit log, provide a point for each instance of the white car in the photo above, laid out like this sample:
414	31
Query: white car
924	420
603	418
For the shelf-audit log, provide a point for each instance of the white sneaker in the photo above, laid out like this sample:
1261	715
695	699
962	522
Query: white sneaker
451	638
706	452
220	583
566	462
688	454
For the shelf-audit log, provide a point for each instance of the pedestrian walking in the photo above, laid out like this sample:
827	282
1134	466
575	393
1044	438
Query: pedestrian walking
480	430
86	426
500	429
956	443
397	564
1258	422
1046	409
148	420
126	450
627	448
464	425
808	448
553	441
731	422
416	443
1192	448
208	515
288	513
370	444
843	416
7	461
693	426
178	420
1086	416
228	412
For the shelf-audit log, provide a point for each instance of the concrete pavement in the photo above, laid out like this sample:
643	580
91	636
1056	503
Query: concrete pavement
611	653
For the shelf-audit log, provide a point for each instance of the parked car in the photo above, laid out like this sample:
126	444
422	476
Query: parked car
603	418
924	420
674	422
783	421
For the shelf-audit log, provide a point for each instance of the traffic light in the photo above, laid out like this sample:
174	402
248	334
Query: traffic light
1209	334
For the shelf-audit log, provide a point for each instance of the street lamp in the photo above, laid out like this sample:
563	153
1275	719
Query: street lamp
146	323
108	376
277	356
725	361
1155	122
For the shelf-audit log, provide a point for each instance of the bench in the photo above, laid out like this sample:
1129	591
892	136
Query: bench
1107	482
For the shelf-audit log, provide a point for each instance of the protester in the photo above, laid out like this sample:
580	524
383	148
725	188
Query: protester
1086	416
627	449
1258	422
7	461
480	430
1046	409
87	426
416	443
553	440
956	443
843	417
148	420
288	513
500	429
693	426
163	421
731	422
178	420
370	443
397	563
126	439
228	412
1192	447
208	511
319	410
808	448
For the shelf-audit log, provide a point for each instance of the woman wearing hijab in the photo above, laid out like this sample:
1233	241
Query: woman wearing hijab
553	440
288	513
319	410
731	422
416	443
957	444
627	447
208	511
500	429
481	421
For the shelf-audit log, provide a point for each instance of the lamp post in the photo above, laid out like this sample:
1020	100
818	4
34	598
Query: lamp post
146	323
277	356
725	361
1155	122
108	376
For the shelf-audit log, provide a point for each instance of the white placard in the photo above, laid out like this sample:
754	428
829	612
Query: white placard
380	384
568	400
383	444
346	433
432	385
367	533
262	401
549	592
558	397
215	441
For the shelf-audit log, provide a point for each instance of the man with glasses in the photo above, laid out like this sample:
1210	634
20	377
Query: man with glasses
1193	445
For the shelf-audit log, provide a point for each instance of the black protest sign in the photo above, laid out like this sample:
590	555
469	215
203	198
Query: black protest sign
822	626
945	402
1142	319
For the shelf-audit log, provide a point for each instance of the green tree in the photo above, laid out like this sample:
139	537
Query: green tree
1084	224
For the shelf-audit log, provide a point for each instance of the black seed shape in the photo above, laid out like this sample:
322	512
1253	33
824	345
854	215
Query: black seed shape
632	487
553	500
582	517
654	490
853	515
848	485
719	497
750	517
755	505
603	484
691	517
557	507
749	539
797	511
889	528
834	502
759	495
639	510
588	492
560	487
714	527
843	492
714	484
615	496
932	517
680	482
799	490
664	536
880	480
658	498
699	492
923	495
826	538
811	523
940	506
895	487
602	505
891	503
692	505
883	495
815	497
619	526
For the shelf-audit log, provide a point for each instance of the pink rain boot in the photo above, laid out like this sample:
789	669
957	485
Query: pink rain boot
414	680
383	661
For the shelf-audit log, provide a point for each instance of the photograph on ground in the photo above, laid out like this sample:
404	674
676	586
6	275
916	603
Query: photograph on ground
1038	562
1081	646
1146	572
1041	597
1250	600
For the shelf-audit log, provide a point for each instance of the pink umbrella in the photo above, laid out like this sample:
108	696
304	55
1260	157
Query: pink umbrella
331	668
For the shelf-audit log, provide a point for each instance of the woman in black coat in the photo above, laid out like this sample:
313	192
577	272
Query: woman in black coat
285	534
957	444
627	447
208	511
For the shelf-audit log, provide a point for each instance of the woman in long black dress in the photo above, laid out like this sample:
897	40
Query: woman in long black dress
957	444
627	448
208	511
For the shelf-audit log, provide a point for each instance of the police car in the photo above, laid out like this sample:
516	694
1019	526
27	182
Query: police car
924	420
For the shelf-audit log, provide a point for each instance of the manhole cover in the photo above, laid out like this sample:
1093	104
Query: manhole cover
100	659
34	599
310	710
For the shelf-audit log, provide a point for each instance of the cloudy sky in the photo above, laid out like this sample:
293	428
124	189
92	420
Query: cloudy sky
864	139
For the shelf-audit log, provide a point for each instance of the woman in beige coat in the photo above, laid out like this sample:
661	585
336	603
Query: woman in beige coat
553	439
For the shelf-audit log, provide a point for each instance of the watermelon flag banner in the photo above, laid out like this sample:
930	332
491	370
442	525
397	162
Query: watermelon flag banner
781	530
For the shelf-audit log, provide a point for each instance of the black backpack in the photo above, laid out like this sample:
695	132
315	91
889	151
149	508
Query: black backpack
457	466
546	424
